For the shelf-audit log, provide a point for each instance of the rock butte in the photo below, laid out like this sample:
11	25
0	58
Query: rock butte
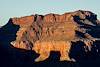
54	32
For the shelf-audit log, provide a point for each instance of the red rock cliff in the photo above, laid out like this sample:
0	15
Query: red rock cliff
70	26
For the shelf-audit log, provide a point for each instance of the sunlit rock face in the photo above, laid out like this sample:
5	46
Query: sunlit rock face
51	30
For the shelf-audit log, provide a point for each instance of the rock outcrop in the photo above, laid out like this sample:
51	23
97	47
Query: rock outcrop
78	26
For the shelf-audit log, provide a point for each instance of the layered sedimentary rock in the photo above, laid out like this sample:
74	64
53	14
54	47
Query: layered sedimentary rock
72	27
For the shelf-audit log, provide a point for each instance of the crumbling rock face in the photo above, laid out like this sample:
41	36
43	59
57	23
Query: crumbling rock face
72	27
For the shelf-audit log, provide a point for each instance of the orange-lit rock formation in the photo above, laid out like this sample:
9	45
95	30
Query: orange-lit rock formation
52	30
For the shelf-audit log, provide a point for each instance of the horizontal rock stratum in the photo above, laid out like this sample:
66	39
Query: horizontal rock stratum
54	32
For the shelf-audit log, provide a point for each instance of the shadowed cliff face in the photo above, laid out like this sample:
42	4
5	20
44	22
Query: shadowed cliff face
81	28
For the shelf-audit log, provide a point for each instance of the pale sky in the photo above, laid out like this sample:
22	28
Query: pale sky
18	8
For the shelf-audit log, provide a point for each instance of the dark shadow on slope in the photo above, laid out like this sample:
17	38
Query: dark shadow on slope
92	18
77	51
77	19
94	29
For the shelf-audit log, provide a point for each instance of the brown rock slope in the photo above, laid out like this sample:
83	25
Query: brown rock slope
78	26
